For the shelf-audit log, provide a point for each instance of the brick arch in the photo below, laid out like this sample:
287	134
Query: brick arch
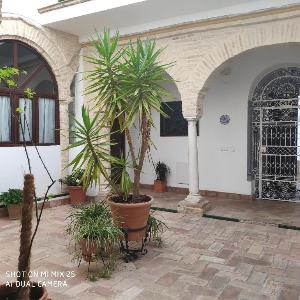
246	39
61	51
43	41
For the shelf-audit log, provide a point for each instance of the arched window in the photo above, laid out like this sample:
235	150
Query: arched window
42	112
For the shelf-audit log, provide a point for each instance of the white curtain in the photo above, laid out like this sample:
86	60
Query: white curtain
46	121
5	119
26	114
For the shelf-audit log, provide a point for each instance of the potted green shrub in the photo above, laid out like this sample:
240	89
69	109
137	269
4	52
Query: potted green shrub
94	233
160	183
126	83
76	190
13	199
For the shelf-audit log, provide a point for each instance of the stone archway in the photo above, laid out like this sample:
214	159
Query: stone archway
60	50
260	35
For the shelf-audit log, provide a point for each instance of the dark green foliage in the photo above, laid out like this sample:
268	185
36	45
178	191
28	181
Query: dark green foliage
94	222
157	228
13	196
122	176
74	179
161	170
95	156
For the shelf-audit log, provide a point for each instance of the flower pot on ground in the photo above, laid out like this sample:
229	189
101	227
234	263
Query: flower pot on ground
126	83
77	195
160	184
94	233
14	211
13	200
76	190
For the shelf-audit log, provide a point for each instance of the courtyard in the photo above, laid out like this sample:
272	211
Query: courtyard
201	258
187	109
244	210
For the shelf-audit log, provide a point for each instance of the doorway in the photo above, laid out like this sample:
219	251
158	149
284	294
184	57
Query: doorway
274	114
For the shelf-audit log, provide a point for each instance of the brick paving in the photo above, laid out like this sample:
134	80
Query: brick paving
201	259
257	211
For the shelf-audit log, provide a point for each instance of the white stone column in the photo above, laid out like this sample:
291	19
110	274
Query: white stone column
193	158
193	203
79	88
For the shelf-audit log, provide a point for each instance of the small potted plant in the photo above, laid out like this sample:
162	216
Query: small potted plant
13	200
160	184
94	233
76	190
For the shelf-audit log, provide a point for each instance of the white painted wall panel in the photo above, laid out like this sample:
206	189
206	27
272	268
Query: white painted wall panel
14	166
222	148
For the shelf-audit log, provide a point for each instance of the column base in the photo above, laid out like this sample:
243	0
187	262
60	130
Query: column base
194	204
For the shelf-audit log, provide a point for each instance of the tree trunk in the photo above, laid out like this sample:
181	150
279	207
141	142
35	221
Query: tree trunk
130	144
136	183
145	128
26	235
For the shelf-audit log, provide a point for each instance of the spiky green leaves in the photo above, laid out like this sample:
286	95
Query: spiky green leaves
126	82
94	157
126	85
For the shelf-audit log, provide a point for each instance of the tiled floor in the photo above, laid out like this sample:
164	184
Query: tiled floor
201	259
258	211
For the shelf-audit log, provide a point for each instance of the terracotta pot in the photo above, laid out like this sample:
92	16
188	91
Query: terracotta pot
77	195
14	211
160	186
88	249
131	216
10	293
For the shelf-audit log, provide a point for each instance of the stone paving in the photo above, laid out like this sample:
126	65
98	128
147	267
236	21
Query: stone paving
201	259
258	211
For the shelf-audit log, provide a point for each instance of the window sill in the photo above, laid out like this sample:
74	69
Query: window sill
28	145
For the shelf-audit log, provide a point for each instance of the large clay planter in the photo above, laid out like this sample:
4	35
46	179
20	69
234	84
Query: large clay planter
14	211
77	195
160	186
88	249
10	293
131	216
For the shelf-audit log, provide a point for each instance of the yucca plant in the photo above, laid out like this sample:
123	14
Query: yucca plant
94	155
126	83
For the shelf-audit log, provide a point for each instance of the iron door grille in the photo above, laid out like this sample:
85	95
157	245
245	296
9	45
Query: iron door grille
275	148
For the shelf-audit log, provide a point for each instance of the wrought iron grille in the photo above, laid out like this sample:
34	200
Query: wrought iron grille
274	135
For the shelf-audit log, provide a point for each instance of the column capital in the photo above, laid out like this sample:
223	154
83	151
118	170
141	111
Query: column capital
192	119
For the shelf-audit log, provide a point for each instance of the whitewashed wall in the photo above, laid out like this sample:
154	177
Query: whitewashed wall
170	150
14	166
222	149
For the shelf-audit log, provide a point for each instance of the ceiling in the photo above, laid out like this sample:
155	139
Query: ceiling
150	14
